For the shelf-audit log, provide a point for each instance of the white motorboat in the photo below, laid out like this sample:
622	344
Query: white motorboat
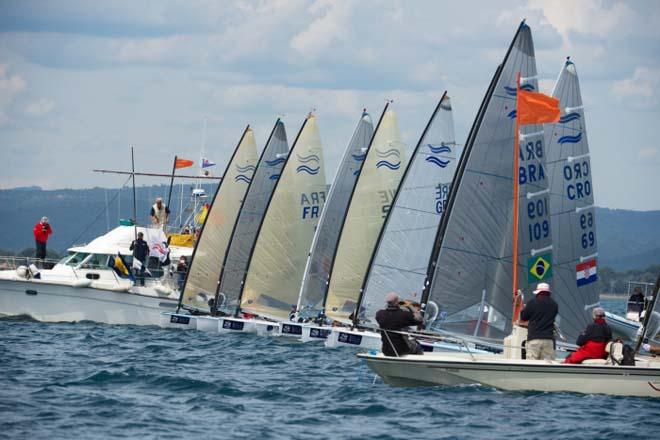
82	286
622	327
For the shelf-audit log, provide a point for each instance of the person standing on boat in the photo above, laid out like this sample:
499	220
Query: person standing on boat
159	213
140	250
42	231
392	320
593	340
636	301
181	270
540	313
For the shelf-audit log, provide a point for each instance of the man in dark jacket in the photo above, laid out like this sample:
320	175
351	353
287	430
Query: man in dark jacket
540	314
395	318
593	340
140	250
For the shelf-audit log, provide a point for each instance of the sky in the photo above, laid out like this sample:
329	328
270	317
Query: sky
82	82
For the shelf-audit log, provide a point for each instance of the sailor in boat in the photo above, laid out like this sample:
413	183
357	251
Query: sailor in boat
392	321
140	250
181	270
159	213
540	313
42	231
593	340
636	301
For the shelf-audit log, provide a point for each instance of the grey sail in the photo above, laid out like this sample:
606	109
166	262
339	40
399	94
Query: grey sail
404	249
254	206
471	286
326	238
202	280
572	208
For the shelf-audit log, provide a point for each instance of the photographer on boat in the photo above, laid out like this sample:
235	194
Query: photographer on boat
593	340
540	313
394	319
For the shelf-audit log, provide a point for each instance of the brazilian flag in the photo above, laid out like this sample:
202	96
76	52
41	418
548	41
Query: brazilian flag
120	267
539	268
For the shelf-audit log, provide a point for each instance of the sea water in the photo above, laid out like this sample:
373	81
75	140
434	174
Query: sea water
94	381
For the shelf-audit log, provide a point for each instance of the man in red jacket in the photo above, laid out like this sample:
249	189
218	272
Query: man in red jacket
42	231
593	340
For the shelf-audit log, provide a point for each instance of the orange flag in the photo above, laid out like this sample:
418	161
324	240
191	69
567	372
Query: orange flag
537	108
183	163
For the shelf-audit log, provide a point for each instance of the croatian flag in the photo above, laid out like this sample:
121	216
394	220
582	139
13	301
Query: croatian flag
207	163
586	272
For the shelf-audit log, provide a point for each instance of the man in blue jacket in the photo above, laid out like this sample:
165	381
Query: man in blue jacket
540	313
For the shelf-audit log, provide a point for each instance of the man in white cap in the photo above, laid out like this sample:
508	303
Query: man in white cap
540	313
159	213
593	340
393	320
42	231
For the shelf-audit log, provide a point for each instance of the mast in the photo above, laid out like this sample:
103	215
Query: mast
394	200
134	196
348	206
517	303
169	196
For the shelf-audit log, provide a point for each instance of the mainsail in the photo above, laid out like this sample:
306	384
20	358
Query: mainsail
254	206
202	280
323	248
572	208
277	264
371	199
471	281
404	249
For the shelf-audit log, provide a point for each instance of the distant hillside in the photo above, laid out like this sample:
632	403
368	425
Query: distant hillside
626	239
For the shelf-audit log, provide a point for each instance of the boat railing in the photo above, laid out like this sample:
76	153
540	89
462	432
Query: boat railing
13	262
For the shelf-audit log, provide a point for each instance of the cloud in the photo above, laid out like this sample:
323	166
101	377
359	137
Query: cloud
648	153
10	86
641	90
323	31
40	107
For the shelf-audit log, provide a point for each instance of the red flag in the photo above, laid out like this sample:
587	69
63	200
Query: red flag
183	163
537	108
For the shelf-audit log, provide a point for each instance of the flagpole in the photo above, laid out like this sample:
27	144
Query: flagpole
169	196
134	197
514	245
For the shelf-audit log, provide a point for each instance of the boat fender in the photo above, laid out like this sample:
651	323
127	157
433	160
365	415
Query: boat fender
162	290
22	271
81	283
34	272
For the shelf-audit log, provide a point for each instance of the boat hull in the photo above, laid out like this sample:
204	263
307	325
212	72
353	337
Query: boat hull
622	327
344	337
516	375
50	302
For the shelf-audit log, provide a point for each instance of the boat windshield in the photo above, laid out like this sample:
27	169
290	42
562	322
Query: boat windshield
73	258
96	261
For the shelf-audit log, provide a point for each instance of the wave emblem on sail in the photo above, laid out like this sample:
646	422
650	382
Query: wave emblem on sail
439	149
389	159
243	171
511	91
309	164
570	139
569	117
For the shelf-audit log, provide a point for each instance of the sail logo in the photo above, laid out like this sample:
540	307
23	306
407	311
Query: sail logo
569	117
358	158
540	268
511	91
390	159
586	273
512	114
435	149
274	176
570	139
309	164
274	162
242	175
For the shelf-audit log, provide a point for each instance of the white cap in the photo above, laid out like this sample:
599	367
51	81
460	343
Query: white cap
159	199
542	287
597	312
44	219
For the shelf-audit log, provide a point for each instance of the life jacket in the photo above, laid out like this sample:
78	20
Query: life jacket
160	214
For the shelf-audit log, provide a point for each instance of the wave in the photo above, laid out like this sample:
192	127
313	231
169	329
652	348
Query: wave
390	165
277	161
439	162
308	170
245	169
391	152
242	178
310	158
569	117
443	148
511	91
359	157
570	139
274	177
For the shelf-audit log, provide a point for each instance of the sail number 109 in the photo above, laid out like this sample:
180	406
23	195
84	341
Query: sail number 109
538	210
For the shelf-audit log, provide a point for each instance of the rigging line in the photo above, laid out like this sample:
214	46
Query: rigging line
98	215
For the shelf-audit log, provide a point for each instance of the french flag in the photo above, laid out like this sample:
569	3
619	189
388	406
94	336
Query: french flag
586	272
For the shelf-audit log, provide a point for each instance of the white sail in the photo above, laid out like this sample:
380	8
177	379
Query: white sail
202	280
277	265
326	238
402	257
572	208
373	194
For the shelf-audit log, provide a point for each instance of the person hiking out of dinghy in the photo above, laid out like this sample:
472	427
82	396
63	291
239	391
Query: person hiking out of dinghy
540	313
394	319
593	340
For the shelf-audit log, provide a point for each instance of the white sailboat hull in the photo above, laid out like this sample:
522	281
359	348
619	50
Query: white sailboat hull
53	302
622	327
344	337
516	375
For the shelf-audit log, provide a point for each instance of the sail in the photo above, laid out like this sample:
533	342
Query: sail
371	199
572	208
404	249
202	280
326	238
278	261
471	285
254	206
